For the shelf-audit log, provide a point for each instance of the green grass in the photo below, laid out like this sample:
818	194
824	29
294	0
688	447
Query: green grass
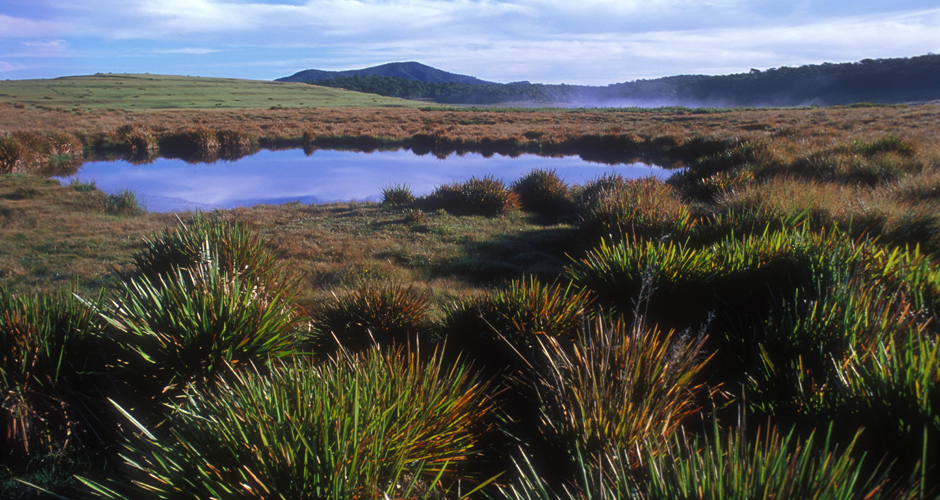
133	92
385	424
52	373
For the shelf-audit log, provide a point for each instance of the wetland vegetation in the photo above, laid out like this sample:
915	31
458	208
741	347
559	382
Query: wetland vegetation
762	325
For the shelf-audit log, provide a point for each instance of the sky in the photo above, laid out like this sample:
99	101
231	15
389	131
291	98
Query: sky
588	42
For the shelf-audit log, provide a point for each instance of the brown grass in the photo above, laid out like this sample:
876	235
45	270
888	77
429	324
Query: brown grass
767	161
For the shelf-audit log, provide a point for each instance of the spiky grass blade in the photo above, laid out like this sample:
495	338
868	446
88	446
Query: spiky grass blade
354	427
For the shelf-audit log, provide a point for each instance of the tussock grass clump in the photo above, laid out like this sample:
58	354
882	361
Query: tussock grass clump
52	371
384	425
543	192
486	196
233	144
595	188
725	278
83	187
447	197
52	153
770	465
640	209
184	326
194	145
887	144
124	202
517	313
919	188
238	250
729	464
397	195
141	144
374	314
894	386
618	387
12	155
793	358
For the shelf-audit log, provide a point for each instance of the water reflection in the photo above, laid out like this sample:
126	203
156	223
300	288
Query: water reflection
274	177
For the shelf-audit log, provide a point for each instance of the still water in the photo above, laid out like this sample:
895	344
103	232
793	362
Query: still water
275	177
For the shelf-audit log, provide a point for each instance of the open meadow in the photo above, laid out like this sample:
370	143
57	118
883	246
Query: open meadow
761	325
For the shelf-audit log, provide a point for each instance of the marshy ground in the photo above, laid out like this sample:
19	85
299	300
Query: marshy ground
632	336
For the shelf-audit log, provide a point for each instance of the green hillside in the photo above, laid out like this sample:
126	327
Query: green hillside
159	92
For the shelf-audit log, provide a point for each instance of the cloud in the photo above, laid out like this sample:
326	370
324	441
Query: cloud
188	50
550	41
20	27
7	67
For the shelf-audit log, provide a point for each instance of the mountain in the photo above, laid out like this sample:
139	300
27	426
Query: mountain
883	81
407	70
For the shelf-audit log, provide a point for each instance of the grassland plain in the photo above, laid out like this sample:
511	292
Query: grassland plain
787	279
156	92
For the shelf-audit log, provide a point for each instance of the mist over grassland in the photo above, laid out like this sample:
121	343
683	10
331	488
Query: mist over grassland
884	81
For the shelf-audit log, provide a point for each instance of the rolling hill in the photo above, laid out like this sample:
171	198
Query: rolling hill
406	70
883	81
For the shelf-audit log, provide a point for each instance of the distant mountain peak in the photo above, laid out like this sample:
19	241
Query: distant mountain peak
410	70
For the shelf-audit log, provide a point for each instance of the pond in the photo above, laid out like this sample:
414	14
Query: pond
275	177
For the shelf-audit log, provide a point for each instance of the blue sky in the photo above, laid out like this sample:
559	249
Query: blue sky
592	42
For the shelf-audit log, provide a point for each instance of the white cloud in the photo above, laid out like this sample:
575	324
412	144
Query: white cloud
19	27
590	41
188	50
6	67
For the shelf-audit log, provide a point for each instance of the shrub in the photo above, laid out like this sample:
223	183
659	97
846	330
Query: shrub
384	425
52	371
397	195
374	314
543	192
